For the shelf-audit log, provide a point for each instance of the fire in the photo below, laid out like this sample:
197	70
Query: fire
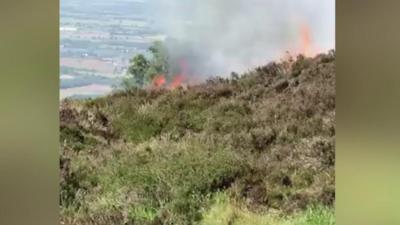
177	81
303	44
159	81
179	78
306	43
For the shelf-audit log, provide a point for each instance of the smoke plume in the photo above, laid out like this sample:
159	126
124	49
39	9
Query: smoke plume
216	37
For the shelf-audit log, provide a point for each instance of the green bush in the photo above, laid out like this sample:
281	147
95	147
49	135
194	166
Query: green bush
172	178
225	212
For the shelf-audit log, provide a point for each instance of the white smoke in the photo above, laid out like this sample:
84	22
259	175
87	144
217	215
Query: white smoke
220	36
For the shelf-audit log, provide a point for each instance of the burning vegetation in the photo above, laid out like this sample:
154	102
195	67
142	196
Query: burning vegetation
166	69
256	148
158	72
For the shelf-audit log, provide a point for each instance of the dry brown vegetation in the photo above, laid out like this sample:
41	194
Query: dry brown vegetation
265	139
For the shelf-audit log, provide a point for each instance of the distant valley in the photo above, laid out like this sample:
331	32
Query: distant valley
97	39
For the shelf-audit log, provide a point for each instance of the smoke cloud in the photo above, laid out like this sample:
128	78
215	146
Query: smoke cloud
217	37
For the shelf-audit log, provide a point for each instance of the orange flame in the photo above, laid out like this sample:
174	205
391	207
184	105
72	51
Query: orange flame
159	81
306	43
178	80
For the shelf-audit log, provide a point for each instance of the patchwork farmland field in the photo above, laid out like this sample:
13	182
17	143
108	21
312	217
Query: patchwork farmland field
98	38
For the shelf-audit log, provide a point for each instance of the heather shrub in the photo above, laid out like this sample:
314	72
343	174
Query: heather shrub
254	149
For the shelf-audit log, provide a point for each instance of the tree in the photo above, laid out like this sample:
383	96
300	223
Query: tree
159	62
143	70
138	68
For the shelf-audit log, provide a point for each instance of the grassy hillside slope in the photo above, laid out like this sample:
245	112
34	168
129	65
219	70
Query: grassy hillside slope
253	149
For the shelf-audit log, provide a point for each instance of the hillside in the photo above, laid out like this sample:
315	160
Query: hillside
253	149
